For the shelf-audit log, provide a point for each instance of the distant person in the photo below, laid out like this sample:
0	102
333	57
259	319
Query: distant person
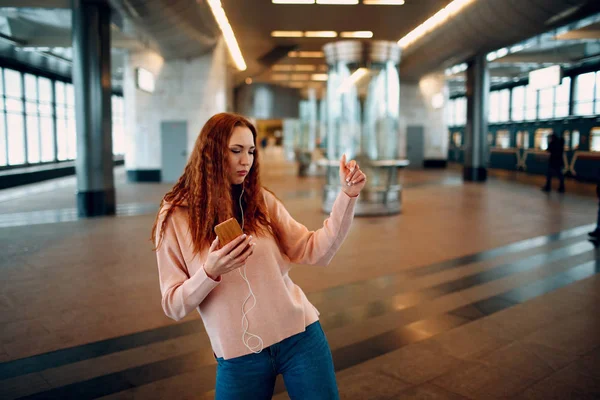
596	232
556	148
263	143
260	324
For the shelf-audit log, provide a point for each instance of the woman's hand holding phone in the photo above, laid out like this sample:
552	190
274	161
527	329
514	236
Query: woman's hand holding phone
230	257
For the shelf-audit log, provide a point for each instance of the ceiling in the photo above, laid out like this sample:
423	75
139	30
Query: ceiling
186	28
253	21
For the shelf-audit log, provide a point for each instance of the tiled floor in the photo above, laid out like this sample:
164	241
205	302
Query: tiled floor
475	291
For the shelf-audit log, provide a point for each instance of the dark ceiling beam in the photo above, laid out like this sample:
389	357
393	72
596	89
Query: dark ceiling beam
36	3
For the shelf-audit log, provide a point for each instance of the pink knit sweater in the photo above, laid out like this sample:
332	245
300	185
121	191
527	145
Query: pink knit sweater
282	309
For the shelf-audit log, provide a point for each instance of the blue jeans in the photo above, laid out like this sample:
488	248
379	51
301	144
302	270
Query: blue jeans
304	360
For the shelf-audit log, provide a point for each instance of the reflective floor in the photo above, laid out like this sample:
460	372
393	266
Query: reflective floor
475	291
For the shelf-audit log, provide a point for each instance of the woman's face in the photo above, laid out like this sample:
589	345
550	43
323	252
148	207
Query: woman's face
241	154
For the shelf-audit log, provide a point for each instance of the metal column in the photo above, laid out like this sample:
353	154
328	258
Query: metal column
92	82
476	132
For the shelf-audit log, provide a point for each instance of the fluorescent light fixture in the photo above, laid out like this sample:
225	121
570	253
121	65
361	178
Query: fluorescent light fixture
545	77
338	2
319	77
306	54
293	1
280	77
287	34
502	52
383	2
491	56
357	34
517	48
435	21
232	44
320	34
353	80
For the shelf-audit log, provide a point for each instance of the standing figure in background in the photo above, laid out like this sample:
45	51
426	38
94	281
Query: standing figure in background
556	146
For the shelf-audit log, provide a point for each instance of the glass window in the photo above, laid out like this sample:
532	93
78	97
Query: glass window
45	90
504	99
70	95
13	83
3	156
33	139
584	93
61	139
595	139
30	87
503	139
460	117
518	103
16	139
530	103
60	93
490	139
546	99
494	107
450	112
47	138
575	137
541	138
562	98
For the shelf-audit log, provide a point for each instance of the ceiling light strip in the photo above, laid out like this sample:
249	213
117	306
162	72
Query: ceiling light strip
287	34
232	44
338	2
432	23
357	34
383	2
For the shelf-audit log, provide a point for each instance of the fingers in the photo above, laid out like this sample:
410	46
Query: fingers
241	259
233	244
240	247
343	162
358	179
351	165
351	176
214	245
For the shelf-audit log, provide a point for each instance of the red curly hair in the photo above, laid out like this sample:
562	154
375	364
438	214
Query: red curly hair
205	186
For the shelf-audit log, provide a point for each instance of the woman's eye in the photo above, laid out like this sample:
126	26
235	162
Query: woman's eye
235	151
251	153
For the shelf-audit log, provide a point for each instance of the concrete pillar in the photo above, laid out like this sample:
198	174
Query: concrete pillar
476	145
92	81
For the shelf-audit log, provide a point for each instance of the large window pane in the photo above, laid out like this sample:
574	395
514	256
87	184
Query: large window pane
518	103
45	90
494	107
546	103
72	134
595	139
530	104
61	139
1	81
14	105
30	87
584	93
60	93
504	100
541	138
16	139
563	95
33	139
13	83
3	155
47	138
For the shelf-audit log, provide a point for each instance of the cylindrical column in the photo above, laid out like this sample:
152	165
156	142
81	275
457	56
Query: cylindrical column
92	81
476	144
363	121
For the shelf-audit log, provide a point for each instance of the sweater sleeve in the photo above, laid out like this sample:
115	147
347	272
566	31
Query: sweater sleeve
181	293
312	247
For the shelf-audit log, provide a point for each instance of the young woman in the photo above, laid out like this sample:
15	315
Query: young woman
260	324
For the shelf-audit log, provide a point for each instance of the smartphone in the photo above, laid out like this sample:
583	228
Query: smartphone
227	231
